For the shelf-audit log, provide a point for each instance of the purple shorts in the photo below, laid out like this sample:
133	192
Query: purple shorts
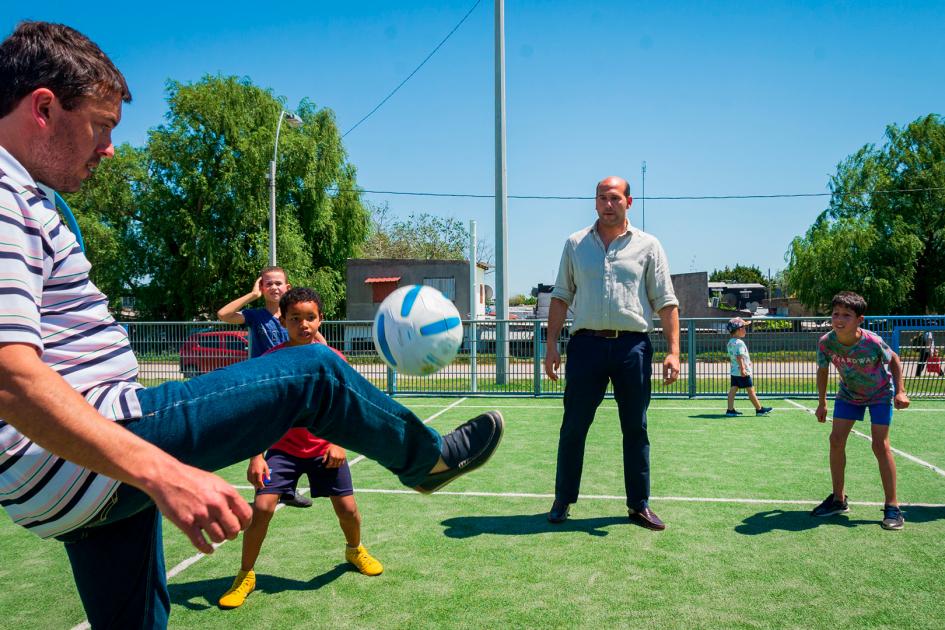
285	471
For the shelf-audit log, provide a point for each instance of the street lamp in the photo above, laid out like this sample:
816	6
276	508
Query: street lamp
293	121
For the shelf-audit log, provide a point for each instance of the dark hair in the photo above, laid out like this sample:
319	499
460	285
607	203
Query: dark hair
54	56
272	269
298	295
850	300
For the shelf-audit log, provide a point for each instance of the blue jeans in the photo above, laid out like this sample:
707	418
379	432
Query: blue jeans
592	363
220	419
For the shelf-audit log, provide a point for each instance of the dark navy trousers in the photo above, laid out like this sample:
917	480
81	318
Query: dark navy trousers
592	363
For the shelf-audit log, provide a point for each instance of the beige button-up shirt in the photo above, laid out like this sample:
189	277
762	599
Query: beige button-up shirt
614	288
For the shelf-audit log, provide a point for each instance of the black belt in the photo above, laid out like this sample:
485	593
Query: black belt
608	334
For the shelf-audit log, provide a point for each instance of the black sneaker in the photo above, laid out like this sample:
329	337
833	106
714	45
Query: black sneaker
294	499
831	506
731	413
466	448
764	411
892	518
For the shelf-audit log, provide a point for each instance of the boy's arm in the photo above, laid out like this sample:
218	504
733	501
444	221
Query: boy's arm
231	312
821	412
43	406
901	401
258	471
741	365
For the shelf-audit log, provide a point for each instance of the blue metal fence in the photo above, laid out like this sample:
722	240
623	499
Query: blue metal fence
783	352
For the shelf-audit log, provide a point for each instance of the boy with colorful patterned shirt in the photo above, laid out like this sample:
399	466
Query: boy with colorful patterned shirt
870	378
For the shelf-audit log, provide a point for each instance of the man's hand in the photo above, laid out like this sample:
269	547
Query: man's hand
670	369
552	361
901	401
335	456
258	472
201	505
821	411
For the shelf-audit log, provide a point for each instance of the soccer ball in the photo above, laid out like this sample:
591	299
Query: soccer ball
417	330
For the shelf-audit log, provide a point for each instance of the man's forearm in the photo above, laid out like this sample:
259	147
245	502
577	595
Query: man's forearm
45	408
557	313
669	319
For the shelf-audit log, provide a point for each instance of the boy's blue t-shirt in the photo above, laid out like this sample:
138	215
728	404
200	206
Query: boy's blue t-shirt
265	331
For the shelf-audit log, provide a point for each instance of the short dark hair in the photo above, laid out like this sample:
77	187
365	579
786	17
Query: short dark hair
273	269
850	300
299	295
55	56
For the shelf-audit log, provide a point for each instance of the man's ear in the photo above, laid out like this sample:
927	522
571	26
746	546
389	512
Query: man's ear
41	105
629	201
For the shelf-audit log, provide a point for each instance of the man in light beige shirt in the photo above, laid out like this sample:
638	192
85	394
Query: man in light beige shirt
614	277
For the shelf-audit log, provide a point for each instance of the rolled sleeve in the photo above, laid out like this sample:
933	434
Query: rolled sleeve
659	282
564	284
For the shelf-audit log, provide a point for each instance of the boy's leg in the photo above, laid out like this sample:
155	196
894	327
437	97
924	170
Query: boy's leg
132	592
731	397
264	507
838	456
884	457
753	398
349	518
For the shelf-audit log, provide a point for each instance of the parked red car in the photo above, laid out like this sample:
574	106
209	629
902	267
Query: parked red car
204	352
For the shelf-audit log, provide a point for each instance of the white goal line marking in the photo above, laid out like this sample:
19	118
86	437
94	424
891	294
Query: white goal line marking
911	458
181	566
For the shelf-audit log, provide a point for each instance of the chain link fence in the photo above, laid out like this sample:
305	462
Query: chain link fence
783	354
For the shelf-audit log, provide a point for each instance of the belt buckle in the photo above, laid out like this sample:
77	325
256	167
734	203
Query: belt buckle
614	335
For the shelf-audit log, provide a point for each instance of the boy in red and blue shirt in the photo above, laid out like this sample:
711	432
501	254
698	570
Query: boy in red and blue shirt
299	453
870	378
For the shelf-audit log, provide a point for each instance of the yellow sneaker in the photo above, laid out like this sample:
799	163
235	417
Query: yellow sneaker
243	584
363	561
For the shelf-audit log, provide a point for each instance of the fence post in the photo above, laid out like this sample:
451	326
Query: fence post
473	368
536	364
691	351
391	381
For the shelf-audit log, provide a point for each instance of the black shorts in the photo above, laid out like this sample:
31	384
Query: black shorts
742	381
285	471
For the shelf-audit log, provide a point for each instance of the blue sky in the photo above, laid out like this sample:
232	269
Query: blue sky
718	98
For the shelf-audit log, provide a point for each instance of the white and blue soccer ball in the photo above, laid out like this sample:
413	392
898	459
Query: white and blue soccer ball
417	330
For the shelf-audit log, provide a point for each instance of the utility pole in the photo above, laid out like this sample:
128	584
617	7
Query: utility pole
643	193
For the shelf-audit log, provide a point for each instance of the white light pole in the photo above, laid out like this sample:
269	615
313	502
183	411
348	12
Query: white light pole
294	121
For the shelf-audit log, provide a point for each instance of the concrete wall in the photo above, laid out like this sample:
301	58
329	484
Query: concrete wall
692	291
360	296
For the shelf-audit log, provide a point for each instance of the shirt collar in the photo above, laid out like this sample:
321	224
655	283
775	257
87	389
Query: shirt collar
628	232
14	170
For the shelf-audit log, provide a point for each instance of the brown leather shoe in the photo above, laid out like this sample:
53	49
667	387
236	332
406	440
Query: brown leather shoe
646	518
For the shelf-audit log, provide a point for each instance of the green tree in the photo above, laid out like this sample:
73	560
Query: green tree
421	236
108	214
740	274
883	234
201	201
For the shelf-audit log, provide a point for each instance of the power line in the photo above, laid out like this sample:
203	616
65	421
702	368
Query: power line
415	70
652	198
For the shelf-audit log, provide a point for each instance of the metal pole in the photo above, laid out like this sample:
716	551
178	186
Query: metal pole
643	194
272	193
501	202
473	308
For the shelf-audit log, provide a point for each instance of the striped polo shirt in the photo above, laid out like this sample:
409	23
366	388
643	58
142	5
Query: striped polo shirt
49	302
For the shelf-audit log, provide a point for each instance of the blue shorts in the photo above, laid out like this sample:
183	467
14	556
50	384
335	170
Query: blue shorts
880	413
742	382
285	471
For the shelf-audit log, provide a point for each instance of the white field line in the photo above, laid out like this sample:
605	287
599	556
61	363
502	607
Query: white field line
912	458
181	566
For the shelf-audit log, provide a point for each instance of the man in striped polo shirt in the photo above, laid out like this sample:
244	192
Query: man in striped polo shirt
89	456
